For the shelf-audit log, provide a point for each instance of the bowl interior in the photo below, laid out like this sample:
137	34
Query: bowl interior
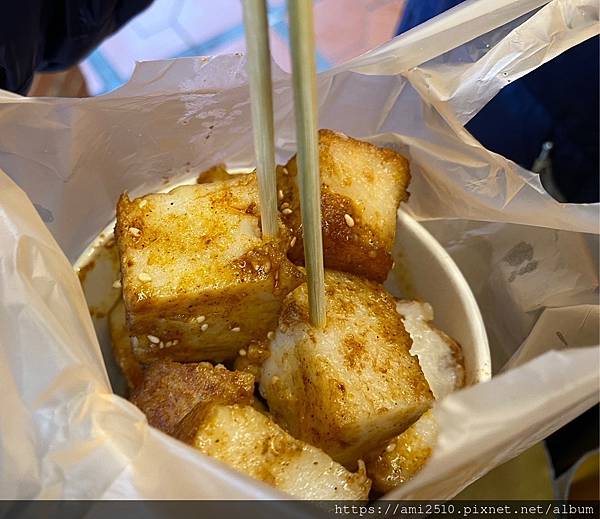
433	276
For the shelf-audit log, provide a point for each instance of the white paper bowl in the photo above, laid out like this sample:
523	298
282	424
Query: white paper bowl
435	278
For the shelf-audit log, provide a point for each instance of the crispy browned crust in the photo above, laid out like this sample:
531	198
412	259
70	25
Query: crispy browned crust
171	390
187	428
358	249
121	347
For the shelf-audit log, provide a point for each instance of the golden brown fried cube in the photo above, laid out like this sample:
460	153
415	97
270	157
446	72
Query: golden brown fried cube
362	186
171	390
199	282
348	387
121	347
252	443
403	456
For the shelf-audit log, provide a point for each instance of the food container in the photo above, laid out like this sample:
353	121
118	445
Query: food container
525	256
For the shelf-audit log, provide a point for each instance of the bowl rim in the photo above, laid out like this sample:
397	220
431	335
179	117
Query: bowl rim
483	371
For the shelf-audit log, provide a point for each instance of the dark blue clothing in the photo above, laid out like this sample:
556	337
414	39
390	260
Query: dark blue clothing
52	35
558	103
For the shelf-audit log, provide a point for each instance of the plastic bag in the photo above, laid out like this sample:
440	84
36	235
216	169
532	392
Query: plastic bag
69	436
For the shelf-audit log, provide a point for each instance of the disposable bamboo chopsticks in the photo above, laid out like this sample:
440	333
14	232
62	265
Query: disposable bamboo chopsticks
261	102
305	106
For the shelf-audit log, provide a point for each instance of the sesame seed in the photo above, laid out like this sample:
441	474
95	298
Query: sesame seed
349	220
200	319
285	205
168	344
175	342
270	335
390	447
280	194
204	327
275	379
144	277
117	284
235	329
134	342
161	345
135	231
285	171
142	204
242	352
293	242
153	339
287	210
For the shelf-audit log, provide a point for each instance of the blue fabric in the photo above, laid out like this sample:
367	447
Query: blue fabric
51	35
557	102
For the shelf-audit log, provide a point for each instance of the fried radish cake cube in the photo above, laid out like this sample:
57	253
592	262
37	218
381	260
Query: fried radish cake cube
362	186
132	370
199	282
170	390
403	456
351	385
252	443
440	356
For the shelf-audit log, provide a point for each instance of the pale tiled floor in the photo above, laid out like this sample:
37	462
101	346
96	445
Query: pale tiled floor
173	28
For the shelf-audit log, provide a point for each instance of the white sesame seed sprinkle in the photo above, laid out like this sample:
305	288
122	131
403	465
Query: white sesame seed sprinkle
153	339
285	205
134	231
161	345
142	204
270	335
280	194
293	242
175	342
287	210
168	344
204	327
285	171
349	220
235	329
142	276
242	352
390	447
200	319
117	284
